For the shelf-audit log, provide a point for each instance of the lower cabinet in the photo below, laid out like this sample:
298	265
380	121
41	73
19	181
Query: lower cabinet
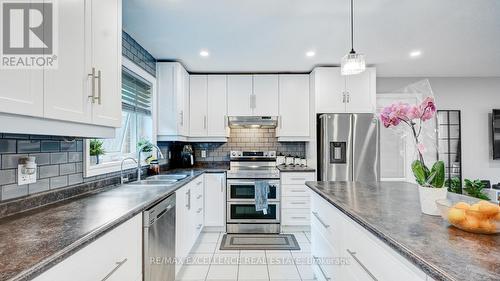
295	199
117	255
188	217
215	200
344	250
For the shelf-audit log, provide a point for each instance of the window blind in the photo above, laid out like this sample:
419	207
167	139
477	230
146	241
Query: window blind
136	94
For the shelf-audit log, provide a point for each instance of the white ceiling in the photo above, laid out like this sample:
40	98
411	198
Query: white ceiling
456	37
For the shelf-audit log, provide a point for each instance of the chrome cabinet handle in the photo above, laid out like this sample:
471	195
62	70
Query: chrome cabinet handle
199	210
320	220
298	203
281	121
118	265
188	204
299	218
99	77
316	259
181	117
353	255
199	226
198	183
343	97
296	190
298	179
199	196
92	76
221	184
205	122
348	97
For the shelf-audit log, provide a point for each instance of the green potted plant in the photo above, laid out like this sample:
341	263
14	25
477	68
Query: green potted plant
431	181
454	185
96	150
475	189
147	147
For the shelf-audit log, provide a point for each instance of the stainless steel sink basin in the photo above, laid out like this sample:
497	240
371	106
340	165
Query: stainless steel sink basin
154	182
168	177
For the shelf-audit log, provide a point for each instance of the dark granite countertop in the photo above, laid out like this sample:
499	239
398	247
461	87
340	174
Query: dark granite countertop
391	211
31	242
296	169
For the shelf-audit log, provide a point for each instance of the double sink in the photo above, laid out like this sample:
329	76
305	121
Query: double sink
163	180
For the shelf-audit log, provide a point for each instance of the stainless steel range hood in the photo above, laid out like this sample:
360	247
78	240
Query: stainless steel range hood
269	122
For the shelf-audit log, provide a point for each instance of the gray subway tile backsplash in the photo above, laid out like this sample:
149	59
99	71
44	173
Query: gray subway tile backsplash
58	182
41	158
66	169
28	146
50	146
75	156
10	161
68	146
7	176
7	146
39	186
58	157
48	171
13	191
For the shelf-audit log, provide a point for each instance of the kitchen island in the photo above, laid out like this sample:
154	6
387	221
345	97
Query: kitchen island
390	213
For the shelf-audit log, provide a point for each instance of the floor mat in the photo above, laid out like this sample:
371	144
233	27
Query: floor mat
259	242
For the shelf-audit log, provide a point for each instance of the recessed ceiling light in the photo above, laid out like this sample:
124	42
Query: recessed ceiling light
310	54
415	54
204	53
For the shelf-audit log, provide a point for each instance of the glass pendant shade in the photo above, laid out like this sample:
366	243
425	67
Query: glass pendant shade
352	64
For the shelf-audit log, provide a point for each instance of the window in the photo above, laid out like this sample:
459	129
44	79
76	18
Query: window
105	155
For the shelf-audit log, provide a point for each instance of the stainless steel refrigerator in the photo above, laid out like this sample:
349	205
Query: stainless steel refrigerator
348	147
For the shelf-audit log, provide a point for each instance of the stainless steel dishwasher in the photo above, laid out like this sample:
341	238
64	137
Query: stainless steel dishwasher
159	241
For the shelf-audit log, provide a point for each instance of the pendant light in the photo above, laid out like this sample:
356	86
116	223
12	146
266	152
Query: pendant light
352	63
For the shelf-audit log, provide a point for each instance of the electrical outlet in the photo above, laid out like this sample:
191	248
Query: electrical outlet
169	155
203	154
26	171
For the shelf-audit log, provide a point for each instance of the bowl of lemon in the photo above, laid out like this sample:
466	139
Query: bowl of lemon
481	217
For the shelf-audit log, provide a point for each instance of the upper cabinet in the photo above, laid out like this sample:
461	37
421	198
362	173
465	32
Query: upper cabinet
265	95
173	101
293	121
252	95
335	93
208	105
83	89
239	95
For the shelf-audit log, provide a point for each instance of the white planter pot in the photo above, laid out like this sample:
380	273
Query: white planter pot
428	197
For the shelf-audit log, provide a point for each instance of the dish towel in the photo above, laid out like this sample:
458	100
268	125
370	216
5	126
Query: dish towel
261	193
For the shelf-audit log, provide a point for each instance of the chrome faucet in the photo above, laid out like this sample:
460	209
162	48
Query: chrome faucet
122	178
159	155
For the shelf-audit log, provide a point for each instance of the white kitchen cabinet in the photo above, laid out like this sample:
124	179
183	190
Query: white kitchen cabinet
198	105
295	199
293	107
173	101
252	95
265	95
215	200
368	256
67	88
217	105
189	211
207	99
239	95
335	93
92	32
106	54
117	254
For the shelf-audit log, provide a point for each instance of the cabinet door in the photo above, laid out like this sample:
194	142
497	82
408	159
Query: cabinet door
198	105
239	93
215	202
361	92
183	101
66	88
329	87
217	105
265	91
293	106
181	224
21	91
106	57
167	104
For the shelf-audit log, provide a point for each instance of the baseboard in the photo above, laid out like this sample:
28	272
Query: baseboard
290	228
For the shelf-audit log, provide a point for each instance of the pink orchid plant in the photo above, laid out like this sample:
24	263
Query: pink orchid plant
414	116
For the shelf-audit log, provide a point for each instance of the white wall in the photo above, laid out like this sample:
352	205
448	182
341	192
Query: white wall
475	97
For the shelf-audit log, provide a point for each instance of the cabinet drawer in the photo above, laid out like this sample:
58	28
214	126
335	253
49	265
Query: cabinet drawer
117	254
323	255
295	190
296	217
371	257
296	178
296	202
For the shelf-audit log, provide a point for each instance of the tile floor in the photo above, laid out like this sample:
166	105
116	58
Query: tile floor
208	262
